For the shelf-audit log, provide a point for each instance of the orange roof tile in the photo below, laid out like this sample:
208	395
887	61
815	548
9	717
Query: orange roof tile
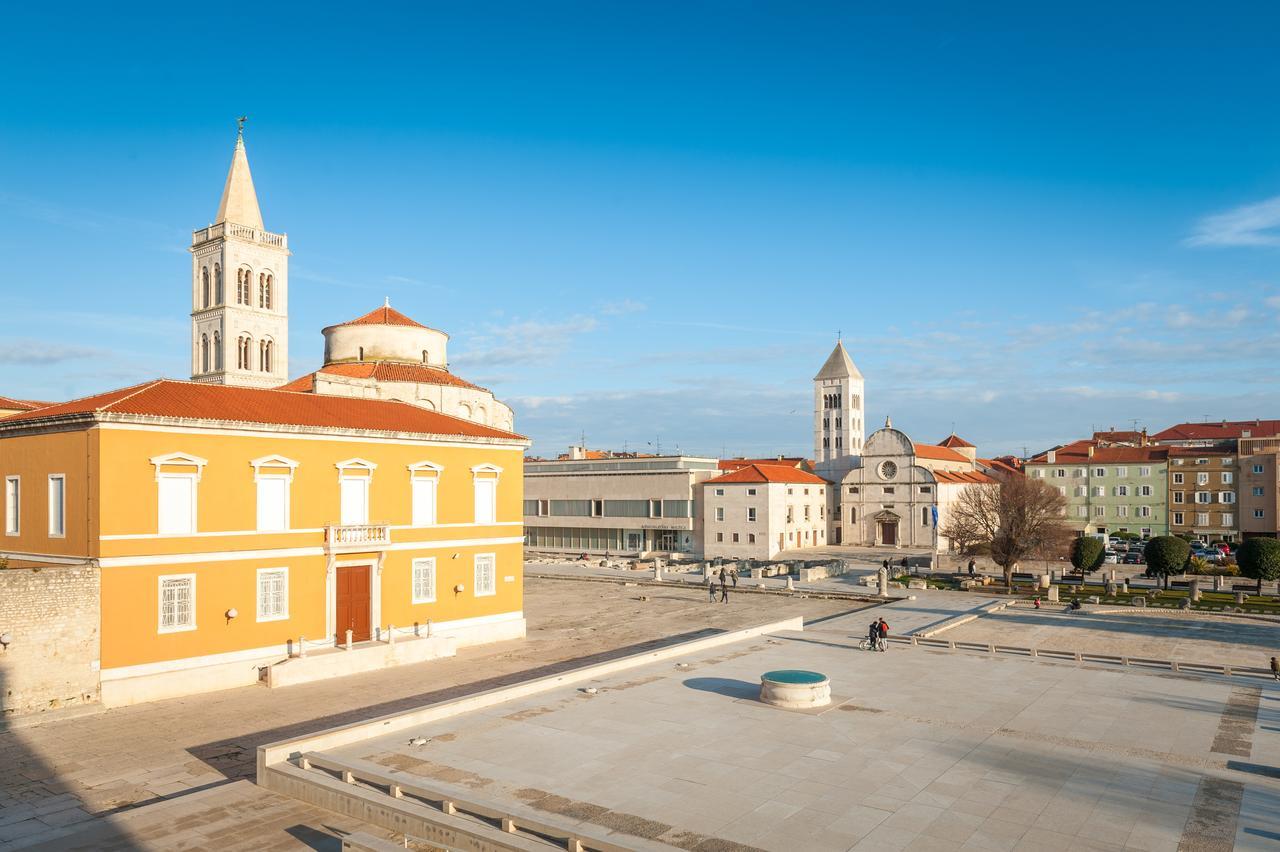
734	464
768	473
953	440
176	400
382	371
937	453
384	315
21	404
1077	452
1220	431
972	477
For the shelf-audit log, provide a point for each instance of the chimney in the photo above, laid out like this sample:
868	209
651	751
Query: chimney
1142	440
1052	457
1091	451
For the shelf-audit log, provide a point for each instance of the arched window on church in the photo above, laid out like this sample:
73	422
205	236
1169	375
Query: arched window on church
204	353
217	351
264	355
204	286
244	346
424	356
360	357
264	290
218	294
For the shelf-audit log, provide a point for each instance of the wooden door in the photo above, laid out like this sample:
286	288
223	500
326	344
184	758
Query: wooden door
889	532
353	603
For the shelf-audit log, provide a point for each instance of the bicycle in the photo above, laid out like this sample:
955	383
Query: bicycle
868	644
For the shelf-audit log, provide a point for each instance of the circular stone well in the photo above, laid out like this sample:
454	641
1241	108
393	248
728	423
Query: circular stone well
795	689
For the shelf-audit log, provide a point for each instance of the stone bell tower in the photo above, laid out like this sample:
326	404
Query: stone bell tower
837	415
239	289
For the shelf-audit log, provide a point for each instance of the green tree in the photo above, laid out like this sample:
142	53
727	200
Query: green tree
1166	555
1087	554
1259	559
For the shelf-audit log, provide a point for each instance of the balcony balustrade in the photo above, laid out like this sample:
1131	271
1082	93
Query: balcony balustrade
244	232
357	535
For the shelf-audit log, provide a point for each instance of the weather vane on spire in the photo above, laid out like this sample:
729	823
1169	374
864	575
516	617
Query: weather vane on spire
240	125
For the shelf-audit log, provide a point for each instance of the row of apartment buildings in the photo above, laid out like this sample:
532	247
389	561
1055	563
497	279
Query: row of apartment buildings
1211	481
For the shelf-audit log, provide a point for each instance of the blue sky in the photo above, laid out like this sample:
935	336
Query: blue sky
648	221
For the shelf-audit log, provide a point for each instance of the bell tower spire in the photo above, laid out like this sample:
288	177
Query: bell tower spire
240	288
838	407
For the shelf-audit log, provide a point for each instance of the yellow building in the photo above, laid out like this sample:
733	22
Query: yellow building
229	522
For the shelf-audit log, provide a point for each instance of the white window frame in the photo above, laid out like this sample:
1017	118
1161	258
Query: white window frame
425	563
719	513
61	530
751	514
1100	471
1122	471
1144	511
1228	477
1144	471
272	463
1226	497
478	473
476	561
177	628
719	492
1177	479
282	616
194	479
1228	519
1259	513
1202	479
13	505
430	472
1177	518
1144	491
367	479
1257	468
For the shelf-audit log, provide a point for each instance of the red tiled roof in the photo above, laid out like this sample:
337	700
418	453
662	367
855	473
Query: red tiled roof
21	404
964	476
937	453
734	464
1002	464
385	315
1077	452
1121	437
953	440
756	472
1221	431
194	401
1197	451
382	371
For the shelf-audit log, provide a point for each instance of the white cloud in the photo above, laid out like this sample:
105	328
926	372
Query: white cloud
524	342
43	352
1248	225
1179	318
622	307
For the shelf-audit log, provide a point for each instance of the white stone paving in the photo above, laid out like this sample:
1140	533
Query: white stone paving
930	750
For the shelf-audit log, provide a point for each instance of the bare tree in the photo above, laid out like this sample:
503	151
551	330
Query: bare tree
1020	519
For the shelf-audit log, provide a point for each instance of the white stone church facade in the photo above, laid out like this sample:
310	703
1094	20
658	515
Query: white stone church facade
240	323
886	490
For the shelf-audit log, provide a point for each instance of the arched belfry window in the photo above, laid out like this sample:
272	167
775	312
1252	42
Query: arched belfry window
217	350
204	353
264	290
204	286
244	352
265	354
218	294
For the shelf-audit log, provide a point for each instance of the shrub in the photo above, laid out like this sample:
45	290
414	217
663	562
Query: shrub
1166	555
1087	554
1259	559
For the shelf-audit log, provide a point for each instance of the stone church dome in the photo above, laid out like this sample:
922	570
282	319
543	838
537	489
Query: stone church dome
385	334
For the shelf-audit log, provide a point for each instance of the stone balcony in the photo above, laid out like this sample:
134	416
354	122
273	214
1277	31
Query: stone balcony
357	536
243	232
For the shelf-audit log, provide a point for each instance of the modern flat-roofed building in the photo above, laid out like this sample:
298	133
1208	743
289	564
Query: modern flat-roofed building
621	504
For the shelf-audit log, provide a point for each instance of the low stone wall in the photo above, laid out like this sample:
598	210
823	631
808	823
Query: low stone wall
50	615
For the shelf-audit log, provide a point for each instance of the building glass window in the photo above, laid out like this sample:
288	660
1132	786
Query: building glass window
177	603
424	580
486	574
273	594
57	505
12	505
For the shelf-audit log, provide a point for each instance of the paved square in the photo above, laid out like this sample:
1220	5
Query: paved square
922	750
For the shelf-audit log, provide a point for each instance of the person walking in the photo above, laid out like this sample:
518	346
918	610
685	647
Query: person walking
972	565
724	589
882	634
711	587
873	635
733	575
1275	668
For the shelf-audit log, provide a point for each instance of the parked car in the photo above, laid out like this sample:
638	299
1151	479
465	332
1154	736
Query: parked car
1134	557
1110	557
